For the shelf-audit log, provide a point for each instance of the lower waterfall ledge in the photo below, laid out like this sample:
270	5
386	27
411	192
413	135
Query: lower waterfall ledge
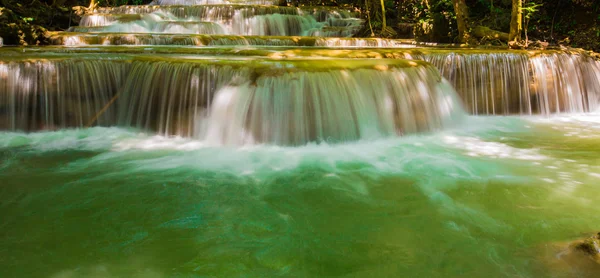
227	100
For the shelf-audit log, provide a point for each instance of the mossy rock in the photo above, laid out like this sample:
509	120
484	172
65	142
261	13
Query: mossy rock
590	247
577	258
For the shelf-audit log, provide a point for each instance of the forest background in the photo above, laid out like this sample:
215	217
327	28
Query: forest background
511	23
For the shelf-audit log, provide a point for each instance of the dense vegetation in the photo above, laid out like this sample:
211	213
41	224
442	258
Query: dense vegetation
526	23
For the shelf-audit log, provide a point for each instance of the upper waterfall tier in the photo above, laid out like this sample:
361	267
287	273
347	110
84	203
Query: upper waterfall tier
227	11
83	39
212	2
222	19
227	100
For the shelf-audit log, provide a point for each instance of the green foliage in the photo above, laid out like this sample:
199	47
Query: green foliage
530	8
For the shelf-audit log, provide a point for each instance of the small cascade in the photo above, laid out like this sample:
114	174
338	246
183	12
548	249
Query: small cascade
287	103
363	42
521	83
169	97
168	27
157	22
222	19
53	94
213	2
225	12
204	12
278	25
333	106
101	20
564	83
83	39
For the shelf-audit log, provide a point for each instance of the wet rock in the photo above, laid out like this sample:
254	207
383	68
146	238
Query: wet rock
538	45
580	258
590	247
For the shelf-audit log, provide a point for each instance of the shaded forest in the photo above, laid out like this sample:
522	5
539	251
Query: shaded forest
514	23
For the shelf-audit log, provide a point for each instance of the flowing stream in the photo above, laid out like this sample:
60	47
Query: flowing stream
209	138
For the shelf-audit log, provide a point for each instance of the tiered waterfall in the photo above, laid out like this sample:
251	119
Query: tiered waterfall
253	72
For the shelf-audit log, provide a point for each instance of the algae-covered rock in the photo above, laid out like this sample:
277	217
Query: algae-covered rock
579	258
590	247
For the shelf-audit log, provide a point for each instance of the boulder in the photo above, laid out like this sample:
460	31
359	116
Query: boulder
590	247
579	258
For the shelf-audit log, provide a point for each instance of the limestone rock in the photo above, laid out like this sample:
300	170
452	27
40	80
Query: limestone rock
580	258
590	247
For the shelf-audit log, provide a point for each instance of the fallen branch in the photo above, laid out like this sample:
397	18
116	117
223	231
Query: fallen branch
483	32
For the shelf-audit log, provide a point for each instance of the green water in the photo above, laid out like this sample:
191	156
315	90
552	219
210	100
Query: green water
495	198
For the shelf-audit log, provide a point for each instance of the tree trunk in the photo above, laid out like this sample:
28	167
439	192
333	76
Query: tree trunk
383	25
516	21
368	10
462	15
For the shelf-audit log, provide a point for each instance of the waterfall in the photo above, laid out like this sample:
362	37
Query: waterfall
521	83
333	106
278	25
221	19
157	22
167	97
213	2
318	89
82	39
49	94
222	102
229	105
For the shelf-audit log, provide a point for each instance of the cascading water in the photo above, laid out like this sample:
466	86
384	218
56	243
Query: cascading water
288	107
222	19
213	2
35	93
287	103
489	82
507	83
157	22
57	93
84	39
192	149
297	108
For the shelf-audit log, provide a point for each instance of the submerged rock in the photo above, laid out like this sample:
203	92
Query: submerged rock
590	247
580	258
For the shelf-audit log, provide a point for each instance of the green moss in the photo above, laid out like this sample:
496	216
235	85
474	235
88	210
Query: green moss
276	52
590	246
262	64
